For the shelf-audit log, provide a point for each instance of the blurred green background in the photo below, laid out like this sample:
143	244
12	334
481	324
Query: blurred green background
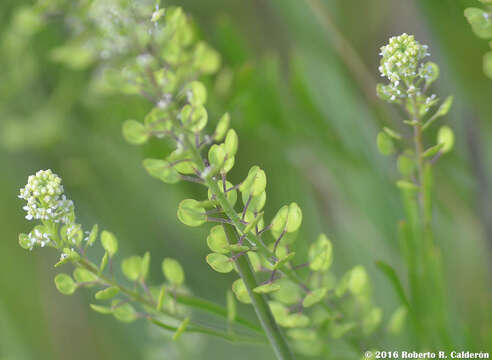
299	80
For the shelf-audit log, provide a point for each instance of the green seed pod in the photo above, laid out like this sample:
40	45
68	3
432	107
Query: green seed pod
191	213
65	284
217	240
321	254
173	271
134	132
219	263
162	170
239	289
109	243
314	297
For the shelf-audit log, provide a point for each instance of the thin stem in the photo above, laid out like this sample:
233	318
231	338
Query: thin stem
186	300
262	309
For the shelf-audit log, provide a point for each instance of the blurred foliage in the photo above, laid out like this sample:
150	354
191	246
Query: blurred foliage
302	112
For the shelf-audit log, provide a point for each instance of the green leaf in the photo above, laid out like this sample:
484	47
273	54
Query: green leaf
220	262
191	213
321	254
101	309
124	312
385	144
397	320
132	267
107	293
266	288
93	235
394	280
372	320
445	137
239	289
314	297
222	127
162	170
109	243
217	240
173	271
134	132
231	306
480	22
181	329
65	284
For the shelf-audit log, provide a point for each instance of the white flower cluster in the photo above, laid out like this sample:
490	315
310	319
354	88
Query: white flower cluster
37	237
401	64
45	199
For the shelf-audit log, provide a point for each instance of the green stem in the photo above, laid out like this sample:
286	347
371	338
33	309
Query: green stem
185	300
263	312
203	330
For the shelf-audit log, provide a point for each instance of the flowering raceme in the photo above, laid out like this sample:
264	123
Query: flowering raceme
46	202
402	65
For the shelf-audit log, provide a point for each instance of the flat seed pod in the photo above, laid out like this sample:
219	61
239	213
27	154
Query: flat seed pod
162	170
107	293
217	240
222	127
220	263
65	284
173	271
191	213
134	132
239	289
109	243
321	254
131	267
266	288
314	297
